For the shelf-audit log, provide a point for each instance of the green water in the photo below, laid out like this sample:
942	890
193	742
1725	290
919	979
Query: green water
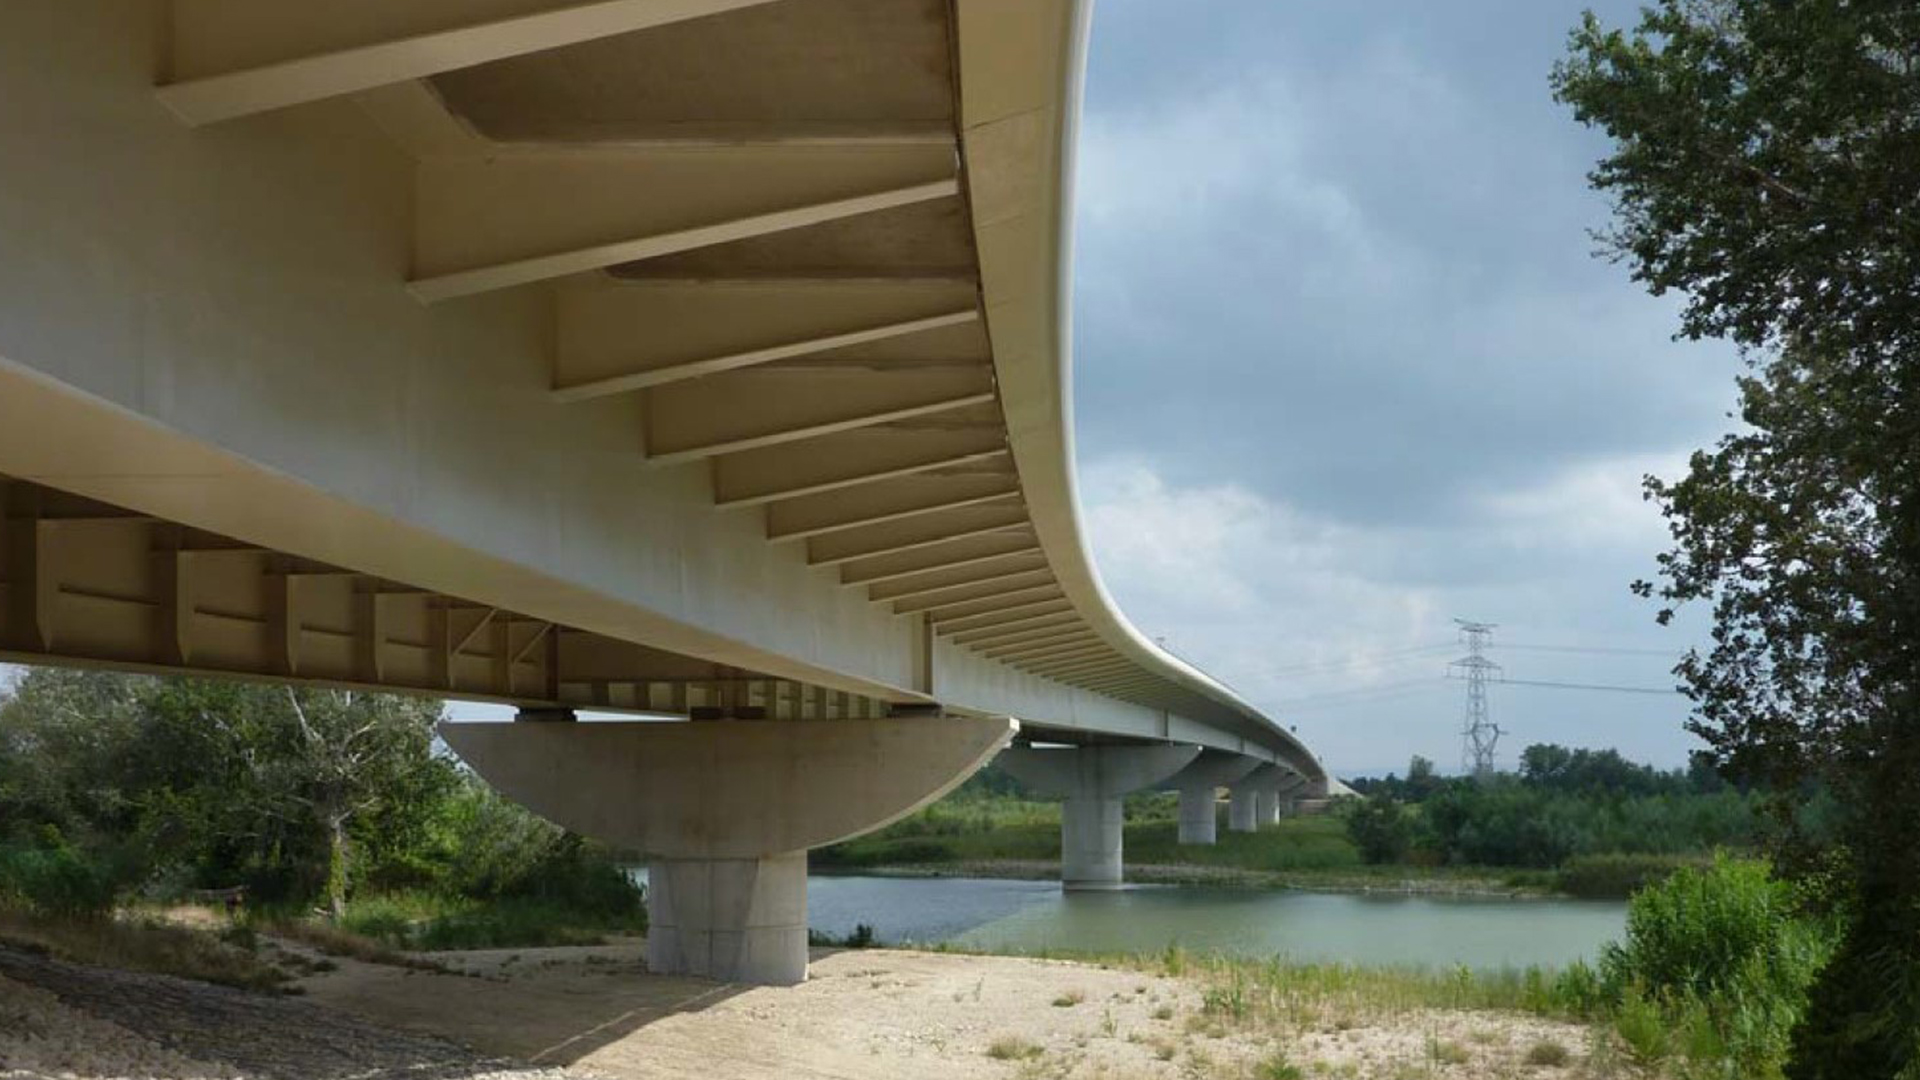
1370	929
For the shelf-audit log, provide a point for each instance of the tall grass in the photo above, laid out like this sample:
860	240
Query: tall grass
138	944
432	921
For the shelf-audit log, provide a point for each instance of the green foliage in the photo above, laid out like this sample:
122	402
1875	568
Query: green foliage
114	785
1508	823
1617	875
1721	955
1381	828
54	878
1765	161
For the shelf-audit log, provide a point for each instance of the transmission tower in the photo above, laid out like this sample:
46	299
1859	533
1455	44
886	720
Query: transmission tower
1478	734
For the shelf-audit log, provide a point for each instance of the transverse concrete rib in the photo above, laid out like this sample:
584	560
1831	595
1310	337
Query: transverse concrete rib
388	55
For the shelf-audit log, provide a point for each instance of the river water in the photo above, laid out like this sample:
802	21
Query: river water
1369	929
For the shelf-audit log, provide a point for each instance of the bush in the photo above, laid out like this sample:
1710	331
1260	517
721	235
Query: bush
1616	875
54	878
1721	954
1381	828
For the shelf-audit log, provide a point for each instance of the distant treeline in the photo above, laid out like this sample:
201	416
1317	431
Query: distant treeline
1610	822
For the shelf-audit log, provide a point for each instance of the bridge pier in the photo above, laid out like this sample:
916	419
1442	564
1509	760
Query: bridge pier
1198	783
1093	779
725	811
1243	808
742	920
1287	795
1255	798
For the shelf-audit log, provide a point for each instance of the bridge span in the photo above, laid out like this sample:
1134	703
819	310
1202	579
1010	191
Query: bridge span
695	358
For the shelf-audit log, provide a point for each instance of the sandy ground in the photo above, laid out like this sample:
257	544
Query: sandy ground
569	1014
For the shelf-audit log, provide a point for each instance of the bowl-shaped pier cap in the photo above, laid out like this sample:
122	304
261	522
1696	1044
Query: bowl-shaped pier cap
727	788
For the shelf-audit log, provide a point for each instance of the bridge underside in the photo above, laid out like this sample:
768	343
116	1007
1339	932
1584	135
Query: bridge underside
700	358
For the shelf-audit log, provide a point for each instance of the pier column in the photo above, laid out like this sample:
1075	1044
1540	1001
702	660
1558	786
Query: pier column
725	812
1287	796
1093	779
1260	791
1198	784
741	920
1243	808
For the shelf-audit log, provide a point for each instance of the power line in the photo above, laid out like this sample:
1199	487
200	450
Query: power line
1390	697
1606	649
1363	660
1360	691
1607	687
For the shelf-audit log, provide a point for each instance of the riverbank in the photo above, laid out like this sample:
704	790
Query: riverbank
1386	880
576	1012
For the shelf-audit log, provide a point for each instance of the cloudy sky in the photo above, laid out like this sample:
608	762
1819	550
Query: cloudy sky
1346	369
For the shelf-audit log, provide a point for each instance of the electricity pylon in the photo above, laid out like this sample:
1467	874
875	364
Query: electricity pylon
1478	734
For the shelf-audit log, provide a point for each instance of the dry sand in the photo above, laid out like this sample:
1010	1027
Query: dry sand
593	1012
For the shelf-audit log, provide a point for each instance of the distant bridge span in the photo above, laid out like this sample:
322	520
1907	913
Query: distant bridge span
704	358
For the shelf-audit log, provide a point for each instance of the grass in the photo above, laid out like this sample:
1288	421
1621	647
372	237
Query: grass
133	943
336	941
431	922
1013	1048
1548	1054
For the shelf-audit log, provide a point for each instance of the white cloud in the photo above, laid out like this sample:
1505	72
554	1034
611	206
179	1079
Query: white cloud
1308	619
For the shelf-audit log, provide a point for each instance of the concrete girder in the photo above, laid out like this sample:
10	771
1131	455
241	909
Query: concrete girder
727	811
1036	628
704	418
616	337
1002	600
943	582
1093	779
849	461
972	552
1010	614
916	532
1074	672
1084	646
1092	672
1085	652
511	218
886	501
232	58
1044	650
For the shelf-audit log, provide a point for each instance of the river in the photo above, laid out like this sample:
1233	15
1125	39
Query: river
1368	929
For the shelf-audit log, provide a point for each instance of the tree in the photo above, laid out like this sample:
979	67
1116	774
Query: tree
1381	828
263	760
1766	163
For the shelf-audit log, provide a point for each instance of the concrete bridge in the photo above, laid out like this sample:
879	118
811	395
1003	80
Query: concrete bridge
696	358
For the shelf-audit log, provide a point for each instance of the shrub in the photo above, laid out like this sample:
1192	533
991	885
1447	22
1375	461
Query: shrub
1548	1054
1616	875
1381	828
1013	1048
54	878
1718	958
1718	928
